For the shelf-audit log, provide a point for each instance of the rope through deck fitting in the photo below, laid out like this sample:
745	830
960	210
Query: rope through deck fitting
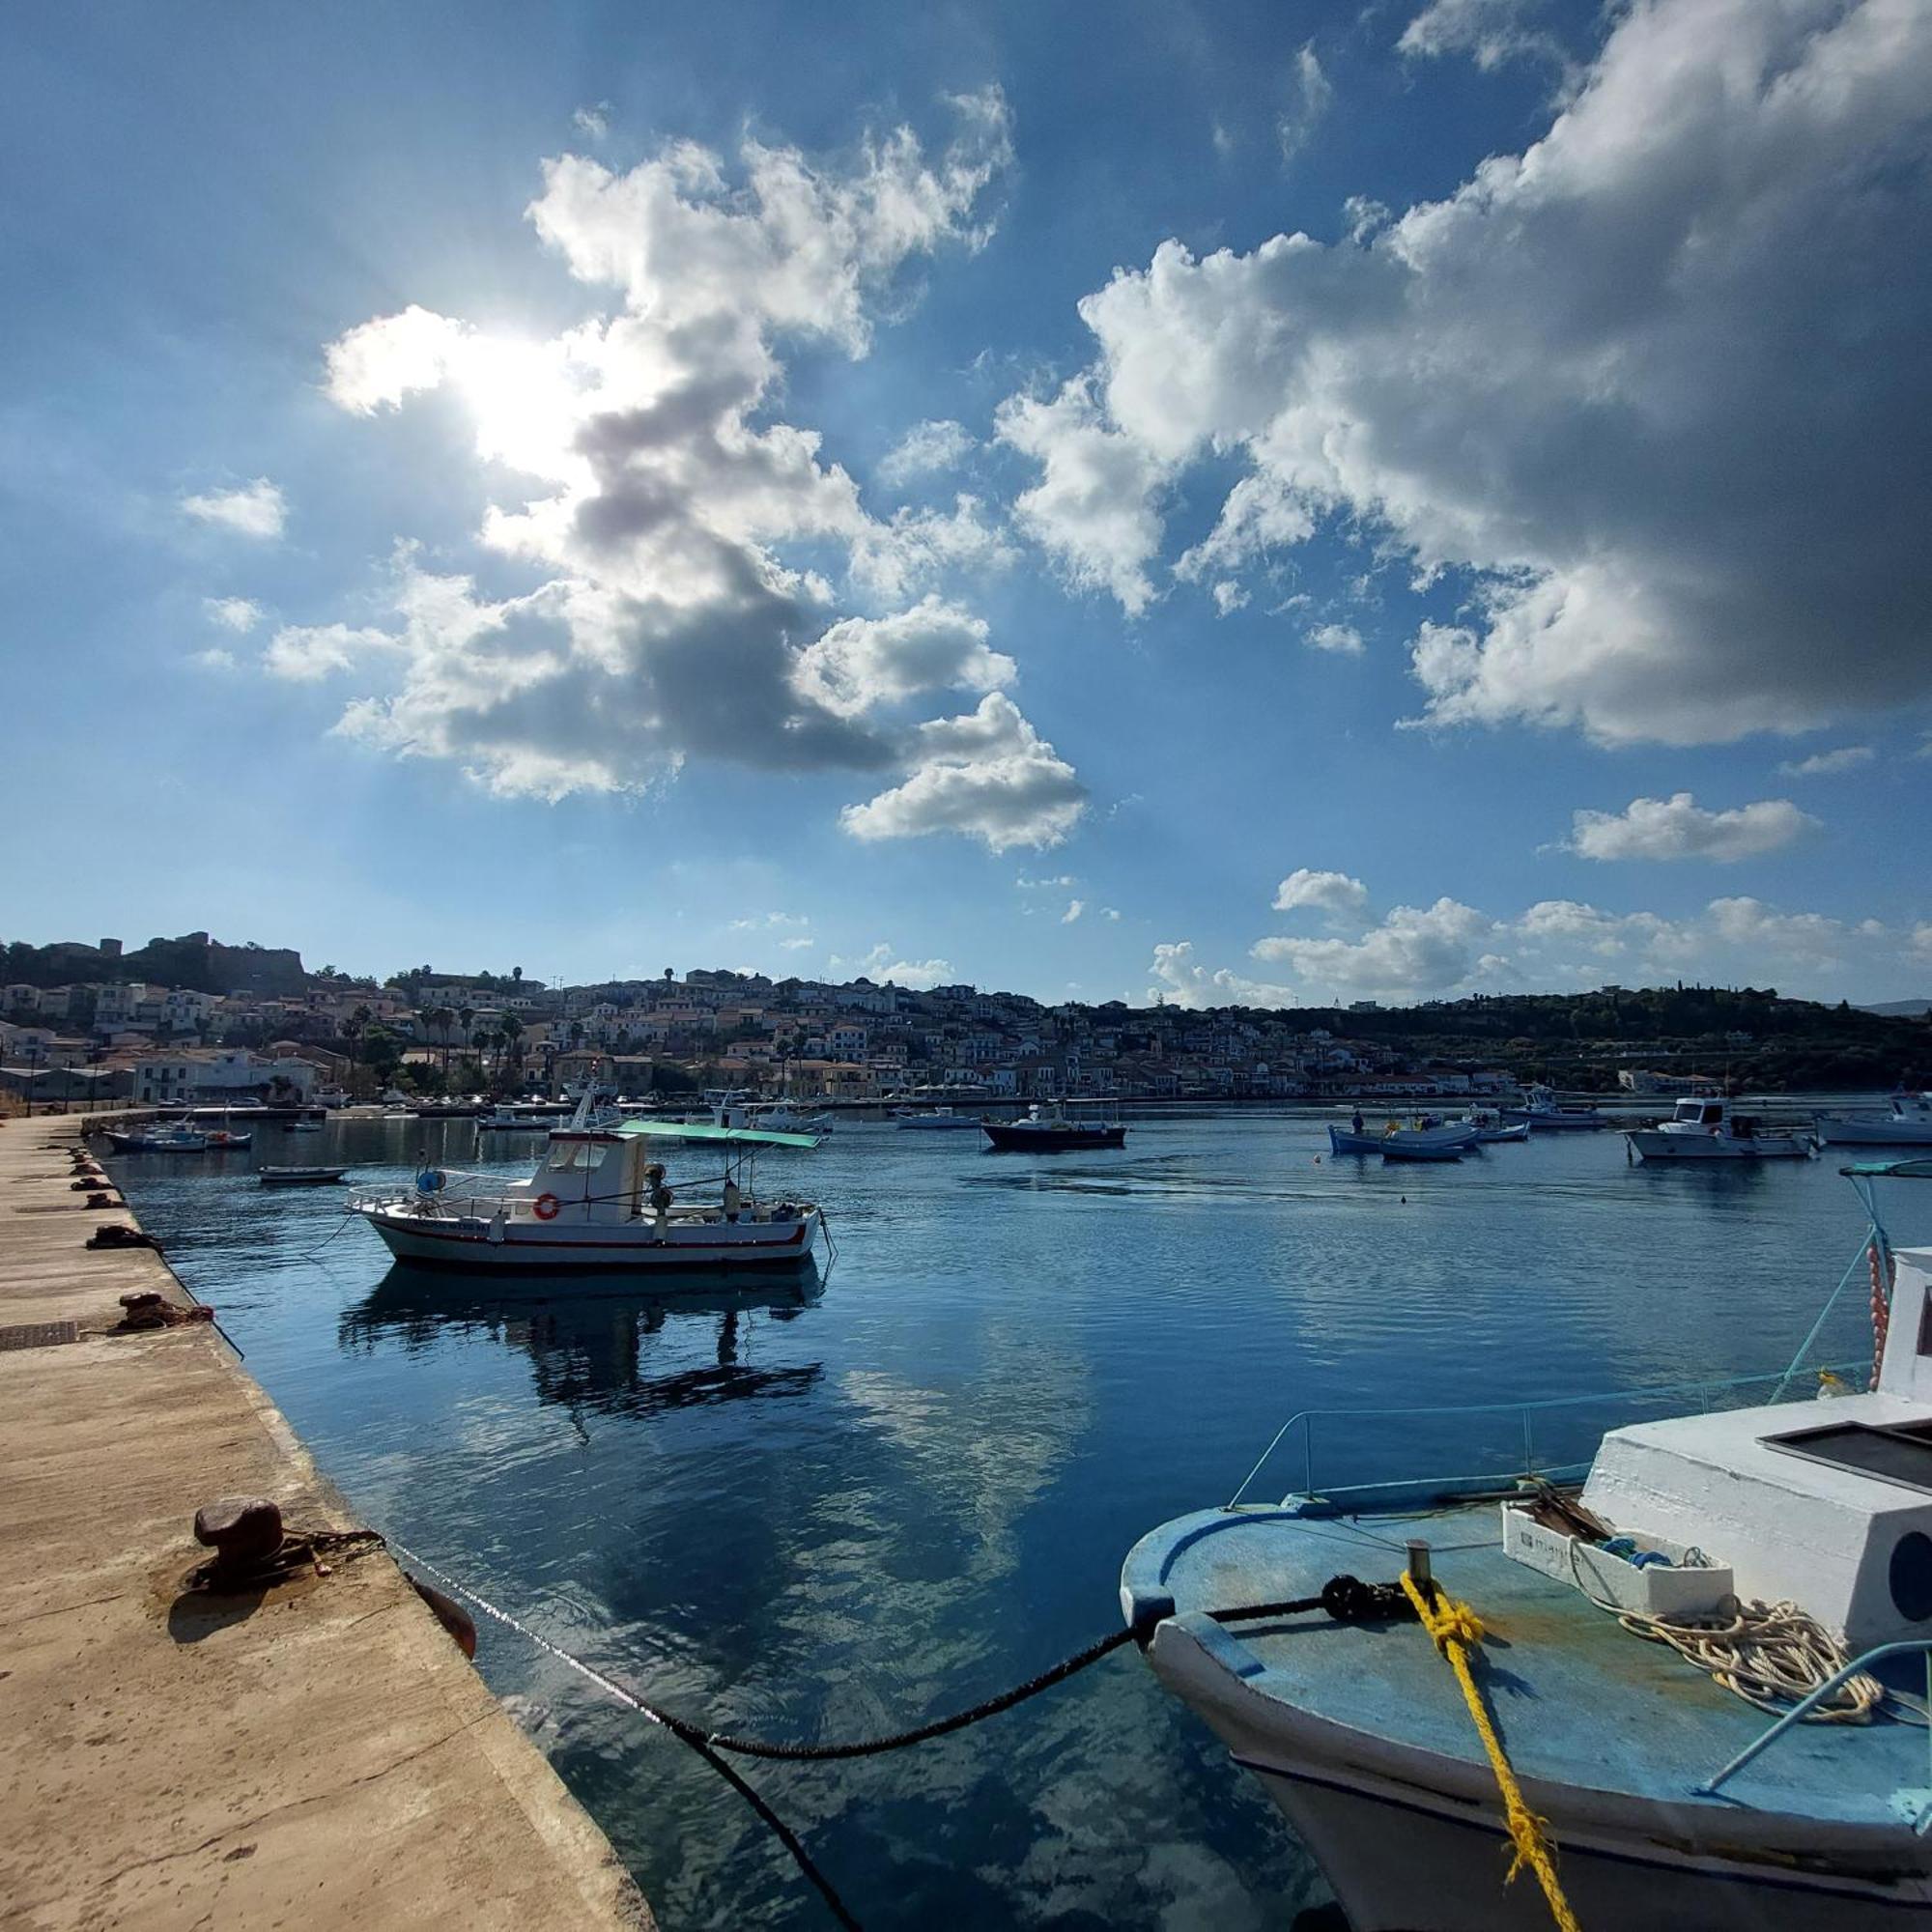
1457	1629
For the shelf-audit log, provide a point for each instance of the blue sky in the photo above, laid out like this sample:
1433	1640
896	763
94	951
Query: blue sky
1289	502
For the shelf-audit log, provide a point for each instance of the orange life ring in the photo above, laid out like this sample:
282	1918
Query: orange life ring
545	1206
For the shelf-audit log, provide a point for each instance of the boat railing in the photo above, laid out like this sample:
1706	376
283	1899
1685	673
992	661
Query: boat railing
1511	1435
1915	1806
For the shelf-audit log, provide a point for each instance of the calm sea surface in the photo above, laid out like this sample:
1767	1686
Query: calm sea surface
836	1513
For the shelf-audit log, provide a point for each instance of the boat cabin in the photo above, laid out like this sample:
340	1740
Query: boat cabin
601	1176
1828	1506
1700	1112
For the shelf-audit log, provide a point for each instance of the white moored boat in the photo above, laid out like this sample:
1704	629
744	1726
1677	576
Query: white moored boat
1779	1556
598	1199
1547	1115
1705	1128
934	1120
1425	1138
1909	1124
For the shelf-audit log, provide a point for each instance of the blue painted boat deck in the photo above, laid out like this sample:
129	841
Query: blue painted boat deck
1576	1698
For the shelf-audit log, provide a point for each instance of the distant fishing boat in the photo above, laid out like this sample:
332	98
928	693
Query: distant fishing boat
225	1140
1492	1131
167	1137
1908	1124
1704	1127
596	1202
1424	1138
1547	1115
935	1120
781	1117
1048	1129
299	1177
1787	1545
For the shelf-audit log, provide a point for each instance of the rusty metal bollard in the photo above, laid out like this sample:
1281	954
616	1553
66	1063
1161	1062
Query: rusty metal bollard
244	1531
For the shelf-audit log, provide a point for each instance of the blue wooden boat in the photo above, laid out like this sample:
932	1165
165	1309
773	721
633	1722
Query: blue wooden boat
1668	1800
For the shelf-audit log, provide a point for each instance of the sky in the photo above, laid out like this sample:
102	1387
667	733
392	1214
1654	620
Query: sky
1242	503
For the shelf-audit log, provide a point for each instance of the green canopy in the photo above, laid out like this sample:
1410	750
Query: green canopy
685	1130
1916	1168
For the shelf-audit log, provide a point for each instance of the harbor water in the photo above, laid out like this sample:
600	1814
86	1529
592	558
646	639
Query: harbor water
836	1509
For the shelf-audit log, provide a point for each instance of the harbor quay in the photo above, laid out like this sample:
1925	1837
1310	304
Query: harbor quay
308	1746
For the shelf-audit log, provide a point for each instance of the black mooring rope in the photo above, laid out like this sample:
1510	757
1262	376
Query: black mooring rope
1344	1598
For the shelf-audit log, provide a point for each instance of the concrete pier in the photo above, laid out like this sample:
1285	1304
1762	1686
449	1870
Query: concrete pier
318	1753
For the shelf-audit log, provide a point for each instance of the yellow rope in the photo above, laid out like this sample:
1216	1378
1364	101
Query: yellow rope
1456	1631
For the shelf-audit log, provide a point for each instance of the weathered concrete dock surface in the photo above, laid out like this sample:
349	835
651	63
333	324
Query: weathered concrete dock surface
321	1755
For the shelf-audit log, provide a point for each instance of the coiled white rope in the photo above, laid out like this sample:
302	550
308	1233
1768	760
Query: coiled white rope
1771	1654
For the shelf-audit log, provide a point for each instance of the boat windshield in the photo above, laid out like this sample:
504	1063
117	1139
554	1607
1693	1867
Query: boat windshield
576	1157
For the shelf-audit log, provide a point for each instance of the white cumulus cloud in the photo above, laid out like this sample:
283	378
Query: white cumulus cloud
989	775
1822	764
861	663
1325	892
1416	951
680	520
1344	639
257	509
1093	510
1587	381
882	969
1677	827
239	614
924	448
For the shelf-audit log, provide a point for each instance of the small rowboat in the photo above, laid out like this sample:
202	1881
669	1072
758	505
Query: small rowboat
299	1177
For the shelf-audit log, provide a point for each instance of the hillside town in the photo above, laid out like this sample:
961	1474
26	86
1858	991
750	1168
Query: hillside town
425	1035
86	1025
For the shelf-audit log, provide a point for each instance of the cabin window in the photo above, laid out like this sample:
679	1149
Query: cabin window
1898	1453
576	1157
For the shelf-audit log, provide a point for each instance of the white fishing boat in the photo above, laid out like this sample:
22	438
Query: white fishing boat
1426	1137
1484	1686
934	1120
162	1137
597	1199
1704	1127
1907	1123
1547	1115
1492	1131
781	1117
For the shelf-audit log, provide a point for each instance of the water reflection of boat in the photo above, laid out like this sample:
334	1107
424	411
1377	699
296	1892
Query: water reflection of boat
594	1350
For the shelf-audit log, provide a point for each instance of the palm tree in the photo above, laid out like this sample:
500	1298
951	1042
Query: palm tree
513	1039
480	1040
440	1018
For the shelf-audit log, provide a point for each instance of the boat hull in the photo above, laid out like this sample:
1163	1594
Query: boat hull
1449	1875
1352	1800
1653	1144
1405	1143
1018	1137
1874	1133
465	1242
